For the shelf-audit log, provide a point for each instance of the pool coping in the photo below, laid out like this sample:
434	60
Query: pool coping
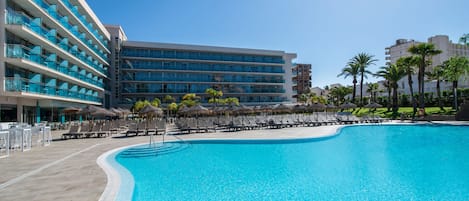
114	185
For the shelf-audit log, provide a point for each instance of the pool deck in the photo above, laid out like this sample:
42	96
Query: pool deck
67	170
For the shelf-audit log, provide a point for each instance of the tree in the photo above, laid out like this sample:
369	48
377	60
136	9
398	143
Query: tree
232	101
352	69
455	67
155	102
437	74
373	89
408	64
424	51
140	105
363	60
303	98
392	73
173	107
190	100
389	90
214	95
168	99
339	93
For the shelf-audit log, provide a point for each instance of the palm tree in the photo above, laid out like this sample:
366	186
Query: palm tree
352	69
339	93
424	51
389	89
408	65
392	73
455	68
372	89
464	39
214	95
363	60
303	98
437	74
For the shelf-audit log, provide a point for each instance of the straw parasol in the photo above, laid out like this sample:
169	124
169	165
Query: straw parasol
373	105
70	110
281	108
101	112
198	110
150	110
317	106
299	108
348	106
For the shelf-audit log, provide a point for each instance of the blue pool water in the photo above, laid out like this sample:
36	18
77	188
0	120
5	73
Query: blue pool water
386	162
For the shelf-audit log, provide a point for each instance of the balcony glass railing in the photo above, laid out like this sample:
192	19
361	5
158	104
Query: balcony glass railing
17	84
82	18
73	29
193	66
18	18
185	90
181	54
168	77
22	52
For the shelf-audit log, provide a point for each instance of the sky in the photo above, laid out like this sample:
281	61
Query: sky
324	33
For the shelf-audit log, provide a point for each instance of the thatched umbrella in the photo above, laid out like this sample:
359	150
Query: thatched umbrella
198	110
101	112
317	106
70	111
299	108
281	108
150	110
373	106
348	106
243	109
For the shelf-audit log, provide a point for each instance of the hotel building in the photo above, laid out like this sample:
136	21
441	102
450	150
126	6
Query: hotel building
441	42
54	54
57	54
147	70
301	79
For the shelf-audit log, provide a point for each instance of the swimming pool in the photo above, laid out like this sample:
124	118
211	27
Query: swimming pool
385	162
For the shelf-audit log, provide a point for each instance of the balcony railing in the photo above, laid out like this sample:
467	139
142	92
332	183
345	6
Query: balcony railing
17	84
63	20
22	52
82	18
18	18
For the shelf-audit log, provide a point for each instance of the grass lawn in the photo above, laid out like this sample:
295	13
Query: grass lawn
383	112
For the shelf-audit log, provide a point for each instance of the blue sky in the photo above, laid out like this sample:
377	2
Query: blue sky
325	33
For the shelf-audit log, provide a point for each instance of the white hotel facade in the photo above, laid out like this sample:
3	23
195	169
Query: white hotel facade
56	54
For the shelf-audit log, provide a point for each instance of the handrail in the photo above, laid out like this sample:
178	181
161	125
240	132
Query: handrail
26	21
23	52
19	84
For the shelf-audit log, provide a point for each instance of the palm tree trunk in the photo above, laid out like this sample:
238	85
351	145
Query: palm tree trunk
361	89
354	89
422	84
395	107
389	98
439	94
411	88
455	95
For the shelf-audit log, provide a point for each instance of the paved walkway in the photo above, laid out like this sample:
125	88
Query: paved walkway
67	170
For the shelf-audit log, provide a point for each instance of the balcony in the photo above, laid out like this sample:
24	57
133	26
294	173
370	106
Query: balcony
51	11
74	10
17	84
17	18
22	52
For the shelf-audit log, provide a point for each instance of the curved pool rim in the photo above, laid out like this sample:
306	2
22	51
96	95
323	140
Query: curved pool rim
116	190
